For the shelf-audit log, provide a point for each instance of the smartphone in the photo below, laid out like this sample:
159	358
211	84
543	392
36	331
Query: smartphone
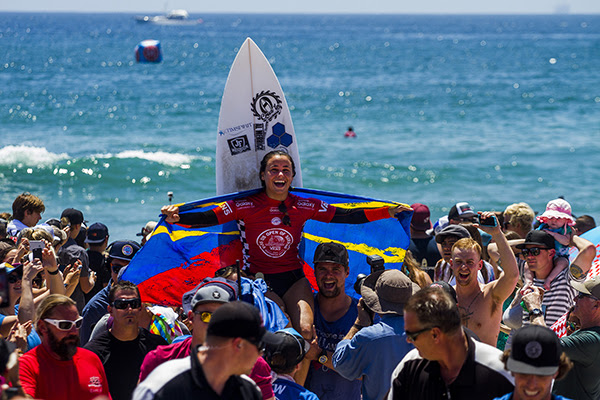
4	287
489	221
36	247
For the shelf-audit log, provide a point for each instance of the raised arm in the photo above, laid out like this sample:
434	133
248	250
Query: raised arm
505	284
51	272
26	306
198	219
583	262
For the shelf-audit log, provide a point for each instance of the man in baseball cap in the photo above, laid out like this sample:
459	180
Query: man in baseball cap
535	359
422	245
334	314
373	350
234	341
146	231
198	305
461	212
97	240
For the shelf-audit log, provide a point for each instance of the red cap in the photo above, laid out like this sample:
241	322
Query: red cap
421	220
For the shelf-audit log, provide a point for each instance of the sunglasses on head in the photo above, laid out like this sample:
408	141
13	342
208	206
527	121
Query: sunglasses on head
65	324
122	304
205	316
534	251
286	218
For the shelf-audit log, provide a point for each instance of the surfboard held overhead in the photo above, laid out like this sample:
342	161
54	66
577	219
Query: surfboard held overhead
254	119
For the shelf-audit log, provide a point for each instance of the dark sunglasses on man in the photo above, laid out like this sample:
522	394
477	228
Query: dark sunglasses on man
534	251
123	304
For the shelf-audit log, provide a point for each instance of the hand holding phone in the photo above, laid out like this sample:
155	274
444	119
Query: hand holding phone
36	246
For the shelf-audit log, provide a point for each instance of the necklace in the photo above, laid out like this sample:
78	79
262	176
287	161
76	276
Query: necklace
466	312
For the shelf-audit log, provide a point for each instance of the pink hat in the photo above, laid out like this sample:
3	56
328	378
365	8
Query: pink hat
555	209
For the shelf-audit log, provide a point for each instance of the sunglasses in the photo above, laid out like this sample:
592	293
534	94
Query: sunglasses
534	251
413	335
572	325
14	278
116	268
260	346
65	324
205	316
584	295
122	304
286	218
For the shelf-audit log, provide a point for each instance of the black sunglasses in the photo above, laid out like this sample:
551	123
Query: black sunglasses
260	346
534	251
286	218
413	335
12	278
122	304
584	295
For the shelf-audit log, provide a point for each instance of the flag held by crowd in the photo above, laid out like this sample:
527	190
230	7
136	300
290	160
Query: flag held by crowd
177	258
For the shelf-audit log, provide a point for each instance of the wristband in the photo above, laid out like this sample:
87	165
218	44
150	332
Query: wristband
55	272
357	326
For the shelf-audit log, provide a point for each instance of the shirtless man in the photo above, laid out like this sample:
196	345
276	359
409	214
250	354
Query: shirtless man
480	305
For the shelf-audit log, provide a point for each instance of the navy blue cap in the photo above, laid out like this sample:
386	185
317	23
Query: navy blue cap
96	233
123	249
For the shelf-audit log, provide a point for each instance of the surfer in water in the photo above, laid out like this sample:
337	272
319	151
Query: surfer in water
271	224
350	132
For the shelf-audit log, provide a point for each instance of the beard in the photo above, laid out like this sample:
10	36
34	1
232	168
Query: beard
64	348
330	293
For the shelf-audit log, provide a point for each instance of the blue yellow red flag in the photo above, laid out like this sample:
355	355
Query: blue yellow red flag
176	258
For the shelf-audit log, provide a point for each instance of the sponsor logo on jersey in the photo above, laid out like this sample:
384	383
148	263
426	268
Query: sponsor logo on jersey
95	384
244	204
275	242
323	207
276	221
305	204
226	209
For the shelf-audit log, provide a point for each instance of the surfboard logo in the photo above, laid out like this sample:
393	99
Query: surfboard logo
265	106
238	145
275	242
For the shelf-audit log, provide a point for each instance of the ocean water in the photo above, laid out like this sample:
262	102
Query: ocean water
486	109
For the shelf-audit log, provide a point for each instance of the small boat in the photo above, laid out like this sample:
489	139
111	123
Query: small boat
173	17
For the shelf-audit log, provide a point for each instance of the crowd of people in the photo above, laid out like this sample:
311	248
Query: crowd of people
487	306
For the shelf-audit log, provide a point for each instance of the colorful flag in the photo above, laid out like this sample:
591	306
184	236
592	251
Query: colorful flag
176	258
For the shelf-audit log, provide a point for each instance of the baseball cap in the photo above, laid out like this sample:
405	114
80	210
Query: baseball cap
123	249
446	287
210	290
240	319
461	210
12	268
147	229
331	252
74	216
290	352
387	291
589	286
421	219
96	233
438	226
535	350
452	230
538	238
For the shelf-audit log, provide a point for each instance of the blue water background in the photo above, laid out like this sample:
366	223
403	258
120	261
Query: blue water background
486	109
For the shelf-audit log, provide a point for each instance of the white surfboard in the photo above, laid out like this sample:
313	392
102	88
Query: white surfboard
254	119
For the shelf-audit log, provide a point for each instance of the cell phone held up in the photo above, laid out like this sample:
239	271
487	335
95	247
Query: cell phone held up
3	286
36	247
488	221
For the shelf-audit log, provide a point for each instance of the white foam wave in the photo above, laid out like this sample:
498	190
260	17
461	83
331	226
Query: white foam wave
29	156
161	157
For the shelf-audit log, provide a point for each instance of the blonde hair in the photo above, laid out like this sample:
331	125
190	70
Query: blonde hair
467	244
520	215
47	305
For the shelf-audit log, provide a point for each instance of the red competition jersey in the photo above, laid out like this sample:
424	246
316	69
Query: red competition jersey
269	245
44	377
